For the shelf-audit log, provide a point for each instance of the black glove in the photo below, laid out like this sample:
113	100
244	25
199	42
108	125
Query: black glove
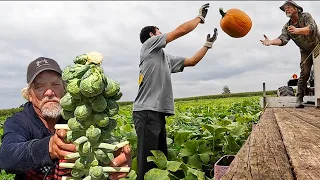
203	12
211	40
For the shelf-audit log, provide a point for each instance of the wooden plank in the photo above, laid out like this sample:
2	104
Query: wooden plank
285	101
316	71
310	110
263	156
302	143
307	115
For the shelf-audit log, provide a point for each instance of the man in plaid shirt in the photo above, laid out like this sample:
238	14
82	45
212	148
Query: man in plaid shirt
304	32
31	147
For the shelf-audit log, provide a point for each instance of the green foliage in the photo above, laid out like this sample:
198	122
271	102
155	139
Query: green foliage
9	112
199	134
216	96
202	131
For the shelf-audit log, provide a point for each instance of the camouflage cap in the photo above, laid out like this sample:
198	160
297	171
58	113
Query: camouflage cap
300	9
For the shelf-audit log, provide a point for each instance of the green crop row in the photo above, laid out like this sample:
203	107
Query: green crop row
219	126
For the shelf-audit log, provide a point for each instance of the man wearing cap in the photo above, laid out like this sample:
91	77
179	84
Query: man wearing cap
303	30
31	147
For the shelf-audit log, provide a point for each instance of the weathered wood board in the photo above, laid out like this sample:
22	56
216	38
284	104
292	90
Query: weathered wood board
301	137
285	101
285	144
263	156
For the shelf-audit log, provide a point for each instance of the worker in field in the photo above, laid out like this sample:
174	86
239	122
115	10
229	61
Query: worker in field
303	30
31	147
154	100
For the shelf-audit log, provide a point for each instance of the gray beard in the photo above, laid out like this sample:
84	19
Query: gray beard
289	15
51	110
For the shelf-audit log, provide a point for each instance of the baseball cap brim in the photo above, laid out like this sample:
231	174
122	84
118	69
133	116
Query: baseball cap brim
40	71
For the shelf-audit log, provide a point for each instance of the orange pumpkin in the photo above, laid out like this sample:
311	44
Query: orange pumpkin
235	22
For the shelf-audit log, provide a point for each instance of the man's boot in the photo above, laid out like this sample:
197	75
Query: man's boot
299	102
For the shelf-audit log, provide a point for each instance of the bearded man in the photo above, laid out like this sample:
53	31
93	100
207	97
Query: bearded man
303	30
31	147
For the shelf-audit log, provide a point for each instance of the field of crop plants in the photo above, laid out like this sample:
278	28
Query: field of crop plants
202	131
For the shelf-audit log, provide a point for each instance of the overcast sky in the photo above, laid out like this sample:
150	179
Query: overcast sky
62	30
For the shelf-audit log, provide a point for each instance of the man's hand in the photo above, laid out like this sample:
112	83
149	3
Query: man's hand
122	159
211	40
293	30
57	147
266	41
203	12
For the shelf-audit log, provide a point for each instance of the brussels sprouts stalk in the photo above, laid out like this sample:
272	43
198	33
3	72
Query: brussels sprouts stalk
106	146
105	169
72	156
80	140
88	106
66	165
111	146
122	144
116	169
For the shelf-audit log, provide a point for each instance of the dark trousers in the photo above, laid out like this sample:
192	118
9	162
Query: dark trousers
151	132
305	67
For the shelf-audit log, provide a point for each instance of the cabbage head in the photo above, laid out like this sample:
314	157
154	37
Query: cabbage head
96	172
91	83
68	102
67	73
82	112
75	125
93	133
117	96
73	88
113	108
81	59
74	71
108	129
112	88
104	156
101	119
66	115
79	70
99	103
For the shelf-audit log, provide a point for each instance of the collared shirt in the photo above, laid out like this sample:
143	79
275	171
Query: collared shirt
25	147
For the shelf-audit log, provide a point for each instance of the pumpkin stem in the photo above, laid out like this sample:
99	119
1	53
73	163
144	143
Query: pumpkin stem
221	12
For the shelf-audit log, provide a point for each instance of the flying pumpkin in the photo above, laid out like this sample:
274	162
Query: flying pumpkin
235	22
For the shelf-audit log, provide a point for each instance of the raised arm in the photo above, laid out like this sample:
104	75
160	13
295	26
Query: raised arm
188	26
192	61
268	42
282	40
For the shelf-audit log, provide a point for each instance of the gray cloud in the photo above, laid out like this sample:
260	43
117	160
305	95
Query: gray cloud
62	30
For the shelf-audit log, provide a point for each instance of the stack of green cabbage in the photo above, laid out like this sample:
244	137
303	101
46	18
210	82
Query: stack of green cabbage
89	105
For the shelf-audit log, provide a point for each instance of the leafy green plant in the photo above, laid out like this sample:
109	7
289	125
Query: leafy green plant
222	124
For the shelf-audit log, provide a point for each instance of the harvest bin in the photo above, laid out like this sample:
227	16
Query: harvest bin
222	165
